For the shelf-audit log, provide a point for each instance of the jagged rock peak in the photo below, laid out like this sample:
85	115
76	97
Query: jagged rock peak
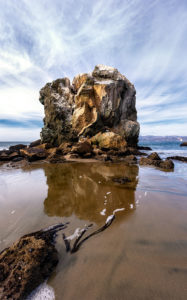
95	102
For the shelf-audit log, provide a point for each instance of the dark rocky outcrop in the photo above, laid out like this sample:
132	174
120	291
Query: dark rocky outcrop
184	144
154	160
27	263
144	148
180	158
35	143
98	102
17	147
34	153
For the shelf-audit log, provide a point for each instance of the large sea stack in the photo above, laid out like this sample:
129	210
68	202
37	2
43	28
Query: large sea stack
99	102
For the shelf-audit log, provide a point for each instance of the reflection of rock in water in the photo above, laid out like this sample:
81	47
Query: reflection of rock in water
83	189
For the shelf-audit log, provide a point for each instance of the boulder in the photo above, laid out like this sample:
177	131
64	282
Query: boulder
154	156
167	164
7	155
109	140
96	101
82	148
33	154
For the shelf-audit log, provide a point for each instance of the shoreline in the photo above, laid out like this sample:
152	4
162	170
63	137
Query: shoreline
145	204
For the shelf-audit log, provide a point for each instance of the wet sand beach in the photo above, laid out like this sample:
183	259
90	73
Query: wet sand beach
142	255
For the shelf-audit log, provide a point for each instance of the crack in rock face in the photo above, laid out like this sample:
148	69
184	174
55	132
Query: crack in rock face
101	101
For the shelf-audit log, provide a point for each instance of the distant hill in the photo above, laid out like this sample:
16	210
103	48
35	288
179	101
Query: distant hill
171	138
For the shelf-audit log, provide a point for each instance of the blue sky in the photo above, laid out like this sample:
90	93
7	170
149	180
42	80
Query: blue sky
41	40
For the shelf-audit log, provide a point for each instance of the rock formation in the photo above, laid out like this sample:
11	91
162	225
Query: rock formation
154	160
103	101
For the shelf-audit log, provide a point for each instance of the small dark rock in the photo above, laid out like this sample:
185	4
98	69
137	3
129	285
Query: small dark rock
121	180
18	158
82	148
135	151
183	144
56	158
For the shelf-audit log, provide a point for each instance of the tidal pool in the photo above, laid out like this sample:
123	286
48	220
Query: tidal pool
142	255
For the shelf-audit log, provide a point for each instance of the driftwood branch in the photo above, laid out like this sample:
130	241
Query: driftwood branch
78	242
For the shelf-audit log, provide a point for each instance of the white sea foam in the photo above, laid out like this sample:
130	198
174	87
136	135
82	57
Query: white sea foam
109	218
74	235
42	292
118	209
108	193
103	212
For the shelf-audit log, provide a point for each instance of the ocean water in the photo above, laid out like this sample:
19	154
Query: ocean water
6	145
165	148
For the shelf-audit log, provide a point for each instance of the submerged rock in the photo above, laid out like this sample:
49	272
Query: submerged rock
121	180
180	158
144	148
104	99
155	160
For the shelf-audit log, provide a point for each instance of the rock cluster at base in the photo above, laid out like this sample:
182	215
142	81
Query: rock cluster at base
154	160
100	102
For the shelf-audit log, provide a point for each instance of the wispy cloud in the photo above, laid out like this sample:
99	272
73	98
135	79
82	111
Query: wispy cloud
146	40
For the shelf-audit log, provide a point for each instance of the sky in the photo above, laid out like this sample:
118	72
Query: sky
42	40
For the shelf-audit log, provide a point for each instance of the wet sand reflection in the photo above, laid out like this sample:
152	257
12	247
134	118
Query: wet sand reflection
88	190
